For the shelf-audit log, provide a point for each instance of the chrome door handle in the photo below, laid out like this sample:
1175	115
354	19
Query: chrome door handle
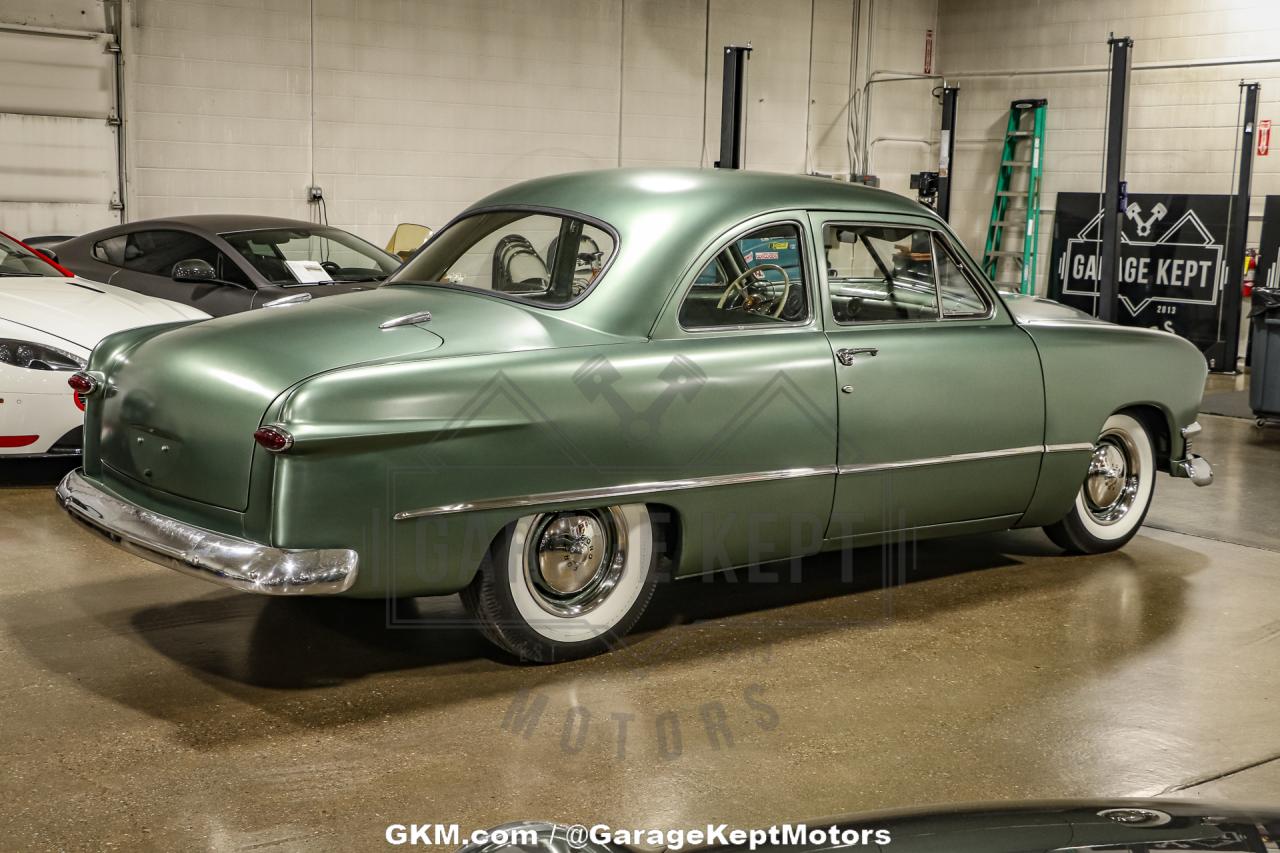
846	356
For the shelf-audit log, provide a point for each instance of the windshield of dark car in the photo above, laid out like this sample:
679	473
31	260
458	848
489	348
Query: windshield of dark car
18	261
289	256
516	254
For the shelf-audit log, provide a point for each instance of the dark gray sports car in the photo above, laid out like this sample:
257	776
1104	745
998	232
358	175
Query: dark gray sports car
223	264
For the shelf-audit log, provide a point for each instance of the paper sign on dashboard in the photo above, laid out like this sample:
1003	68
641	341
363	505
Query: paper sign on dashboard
308	272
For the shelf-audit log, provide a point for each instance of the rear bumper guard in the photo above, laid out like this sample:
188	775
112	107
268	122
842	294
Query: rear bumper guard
1192	466
1195	468
215	557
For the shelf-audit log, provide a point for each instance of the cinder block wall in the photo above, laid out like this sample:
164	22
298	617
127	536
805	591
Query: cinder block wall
1182	122
409	111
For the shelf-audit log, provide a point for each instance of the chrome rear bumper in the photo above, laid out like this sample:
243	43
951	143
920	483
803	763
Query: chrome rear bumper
216	557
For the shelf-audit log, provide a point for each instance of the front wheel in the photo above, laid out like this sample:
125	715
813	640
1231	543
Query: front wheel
563	585
1117	490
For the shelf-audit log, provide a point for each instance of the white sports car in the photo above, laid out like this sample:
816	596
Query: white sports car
49	322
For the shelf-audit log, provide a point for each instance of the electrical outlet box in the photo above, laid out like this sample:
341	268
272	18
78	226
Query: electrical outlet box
315	194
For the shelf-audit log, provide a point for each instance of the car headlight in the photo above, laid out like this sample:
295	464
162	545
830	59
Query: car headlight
35	356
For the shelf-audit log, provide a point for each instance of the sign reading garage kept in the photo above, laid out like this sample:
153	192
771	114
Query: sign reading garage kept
1172	262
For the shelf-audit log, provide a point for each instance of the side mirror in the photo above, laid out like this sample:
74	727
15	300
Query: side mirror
49	253
194	270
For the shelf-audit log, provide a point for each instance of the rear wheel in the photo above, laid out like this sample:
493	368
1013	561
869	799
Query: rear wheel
1117	490
563	585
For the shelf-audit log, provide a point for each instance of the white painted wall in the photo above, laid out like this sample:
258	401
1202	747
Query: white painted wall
408	110
900	116
1182	122
219	108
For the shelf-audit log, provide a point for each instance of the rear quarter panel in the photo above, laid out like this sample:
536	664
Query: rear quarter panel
1093	370
371	442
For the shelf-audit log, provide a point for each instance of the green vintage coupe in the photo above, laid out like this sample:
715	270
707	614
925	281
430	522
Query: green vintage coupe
726	368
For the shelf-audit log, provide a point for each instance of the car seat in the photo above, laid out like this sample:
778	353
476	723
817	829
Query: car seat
517	266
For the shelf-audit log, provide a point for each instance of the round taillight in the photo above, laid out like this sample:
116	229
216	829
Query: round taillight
82	383
273	438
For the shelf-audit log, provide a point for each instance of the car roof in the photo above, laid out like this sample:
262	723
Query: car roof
665	218
219	223
617	193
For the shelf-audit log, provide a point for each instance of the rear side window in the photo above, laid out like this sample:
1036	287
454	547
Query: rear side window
542	258
756	280
155	253
111	250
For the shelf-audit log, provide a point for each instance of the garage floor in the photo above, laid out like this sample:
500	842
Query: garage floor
148	710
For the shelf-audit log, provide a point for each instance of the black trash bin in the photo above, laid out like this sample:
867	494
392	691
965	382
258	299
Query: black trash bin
1264	382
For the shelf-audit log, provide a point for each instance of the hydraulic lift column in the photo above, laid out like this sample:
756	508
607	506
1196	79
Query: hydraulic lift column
947	149
732	106
1115	193
1237	234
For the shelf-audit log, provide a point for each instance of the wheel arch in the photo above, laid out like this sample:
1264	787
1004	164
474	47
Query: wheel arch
1158	421
668	532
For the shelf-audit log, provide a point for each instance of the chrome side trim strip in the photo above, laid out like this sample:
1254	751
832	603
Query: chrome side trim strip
942	460
1068	448
607	492
656	486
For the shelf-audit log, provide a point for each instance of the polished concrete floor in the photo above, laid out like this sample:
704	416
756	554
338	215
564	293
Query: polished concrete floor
145	710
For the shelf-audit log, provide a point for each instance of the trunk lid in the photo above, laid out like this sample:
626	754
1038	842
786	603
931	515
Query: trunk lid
182	407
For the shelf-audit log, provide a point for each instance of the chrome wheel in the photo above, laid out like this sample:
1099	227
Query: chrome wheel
1114	479
574	560
1116	493
565	584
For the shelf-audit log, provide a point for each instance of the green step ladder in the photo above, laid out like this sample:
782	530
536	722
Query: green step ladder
1015	209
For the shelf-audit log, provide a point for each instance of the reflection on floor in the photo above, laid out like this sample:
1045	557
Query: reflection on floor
143	705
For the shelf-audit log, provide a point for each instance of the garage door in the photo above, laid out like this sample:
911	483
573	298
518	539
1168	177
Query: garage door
58	166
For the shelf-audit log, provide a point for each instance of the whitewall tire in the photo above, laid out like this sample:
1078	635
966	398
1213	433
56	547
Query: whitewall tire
1116	494
566	584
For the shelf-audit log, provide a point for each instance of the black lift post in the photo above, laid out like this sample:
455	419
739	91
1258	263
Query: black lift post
947	149
1237	234
1115	192
732	106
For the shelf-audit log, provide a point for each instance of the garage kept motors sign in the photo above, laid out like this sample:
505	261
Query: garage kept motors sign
1172	262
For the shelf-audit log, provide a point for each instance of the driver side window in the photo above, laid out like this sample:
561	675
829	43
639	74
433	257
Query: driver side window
877	273
756	280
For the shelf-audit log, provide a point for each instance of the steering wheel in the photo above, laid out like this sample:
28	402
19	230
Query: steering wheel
755	303
331	267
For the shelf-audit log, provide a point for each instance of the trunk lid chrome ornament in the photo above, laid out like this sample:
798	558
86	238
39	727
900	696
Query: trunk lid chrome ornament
286	301
407	320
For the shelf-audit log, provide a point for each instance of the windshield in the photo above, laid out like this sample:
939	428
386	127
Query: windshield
320	255
17	260
515	254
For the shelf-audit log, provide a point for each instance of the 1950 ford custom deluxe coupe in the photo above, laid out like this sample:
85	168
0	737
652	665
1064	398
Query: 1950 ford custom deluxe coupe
584	373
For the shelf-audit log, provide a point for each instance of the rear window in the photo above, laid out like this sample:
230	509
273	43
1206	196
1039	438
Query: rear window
545	259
